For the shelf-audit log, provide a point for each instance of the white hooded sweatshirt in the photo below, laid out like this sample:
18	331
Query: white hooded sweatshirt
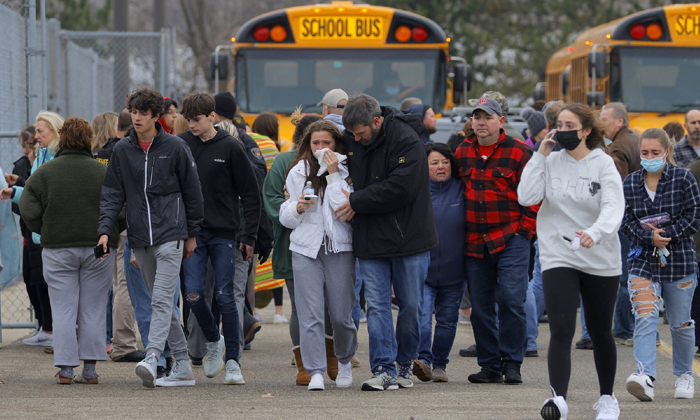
576	196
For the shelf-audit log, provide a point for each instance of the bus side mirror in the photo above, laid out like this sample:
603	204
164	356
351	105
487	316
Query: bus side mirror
596	99
598	63
459	79
218	61
540	89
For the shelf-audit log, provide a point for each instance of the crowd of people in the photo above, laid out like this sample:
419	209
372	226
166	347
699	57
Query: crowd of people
165	204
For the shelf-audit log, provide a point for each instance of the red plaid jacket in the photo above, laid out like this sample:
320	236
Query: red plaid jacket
493	214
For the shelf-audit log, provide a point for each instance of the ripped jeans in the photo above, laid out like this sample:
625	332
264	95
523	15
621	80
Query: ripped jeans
678	296
222	253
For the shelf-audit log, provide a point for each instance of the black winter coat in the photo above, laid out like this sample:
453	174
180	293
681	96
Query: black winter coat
392	193
32	264
160	187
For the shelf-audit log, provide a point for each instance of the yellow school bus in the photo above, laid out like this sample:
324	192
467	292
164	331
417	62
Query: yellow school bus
291	57
649	60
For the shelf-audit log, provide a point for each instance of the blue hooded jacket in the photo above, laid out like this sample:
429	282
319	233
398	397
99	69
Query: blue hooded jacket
447	257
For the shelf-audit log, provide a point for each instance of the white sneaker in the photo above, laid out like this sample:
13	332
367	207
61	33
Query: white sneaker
280	319
607	408
316	383
685	386
147	370
233	374
39	339
213	361
641	386
344	378
554	408
180	375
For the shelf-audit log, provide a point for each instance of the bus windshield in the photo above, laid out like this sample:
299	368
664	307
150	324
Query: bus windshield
280	80
648	79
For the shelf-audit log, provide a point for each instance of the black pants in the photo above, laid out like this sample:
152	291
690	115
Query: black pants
42	293
562	287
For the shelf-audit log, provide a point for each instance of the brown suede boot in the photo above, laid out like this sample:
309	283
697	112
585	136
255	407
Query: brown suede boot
303	377
331	360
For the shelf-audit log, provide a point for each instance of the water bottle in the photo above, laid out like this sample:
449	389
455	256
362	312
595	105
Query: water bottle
309	189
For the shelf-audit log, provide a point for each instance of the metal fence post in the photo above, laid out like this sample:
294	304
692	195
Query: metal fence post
31	67
44	60
163	65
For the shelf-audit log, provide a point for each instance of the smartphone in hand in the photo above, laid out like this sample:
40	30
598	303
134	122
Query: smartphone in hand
100	252
312	207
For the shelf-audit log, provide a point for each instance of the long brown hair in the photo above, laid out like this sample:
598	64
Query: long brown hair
305	153
588	119
103	127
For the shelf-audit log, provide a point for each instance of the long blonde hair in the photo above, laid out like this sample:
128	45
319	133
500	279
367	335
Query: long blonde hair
103	127
55	122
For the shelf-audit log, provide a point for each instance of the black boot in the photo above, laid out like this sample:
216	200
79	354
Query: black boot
511	372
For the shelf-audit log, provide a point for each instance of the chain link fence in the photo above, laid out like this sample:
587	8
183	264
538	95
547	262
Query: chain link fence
72	73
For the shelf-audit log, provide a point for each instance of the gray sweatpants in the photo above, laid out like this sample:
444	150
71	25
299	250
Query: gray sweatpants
160	268
330	276
240	287
78	289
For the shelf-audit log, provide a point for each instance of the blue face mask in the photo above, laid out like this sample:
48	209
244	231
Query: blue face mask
653	165
392	91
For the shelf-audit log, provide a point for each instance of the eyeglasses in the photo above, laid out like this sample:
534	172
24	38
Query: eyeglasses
170	111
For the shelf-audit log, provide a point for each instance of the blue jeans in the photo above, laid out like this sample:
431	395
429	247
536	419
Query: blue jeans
407	275
356	310
500	278
678	297
222	253
141	301
534	303
623	326
445	301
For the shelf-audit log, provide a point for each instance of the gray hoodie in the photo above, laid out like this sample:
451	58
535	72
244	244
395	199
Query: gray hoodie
576	196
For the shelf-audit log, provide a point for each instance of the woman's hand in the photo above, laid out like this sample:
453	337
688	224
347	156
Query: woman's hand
331	160
302	204
659	241
11	179
547	145
585	238
5	194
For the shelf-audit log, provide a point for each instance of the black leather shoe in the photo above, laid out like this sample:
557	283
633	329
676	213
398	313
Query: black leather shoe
468	351
133	357
512	375
486	377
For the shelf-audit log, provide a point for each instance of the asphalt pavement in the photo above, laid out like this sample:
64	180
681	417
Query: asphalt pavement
28	389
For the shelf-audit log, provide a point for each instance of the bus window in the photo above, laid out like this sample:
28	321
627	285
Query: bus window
281	80
656	79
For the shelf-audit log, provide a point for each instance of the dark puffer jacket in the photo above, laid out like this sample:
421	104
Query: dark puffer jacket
447	267
392	196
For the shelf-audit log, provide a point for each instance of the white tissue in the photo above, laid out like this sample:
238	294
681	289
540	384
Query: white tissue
324	168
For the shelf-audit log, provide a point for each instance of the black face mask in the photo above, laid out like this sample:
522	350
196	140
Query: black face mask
568	139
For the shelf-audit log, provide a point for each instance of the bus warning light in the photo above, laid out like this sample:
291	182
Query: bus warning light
364	10
278	33
317	10
694	9
654	31
341	9
608	36
571	49
261	33
448	39
403	34
419	34
233	39
638	31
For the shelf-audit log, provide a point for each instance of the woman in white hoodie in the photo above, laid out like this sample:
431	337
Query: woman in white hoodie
577	224
322	258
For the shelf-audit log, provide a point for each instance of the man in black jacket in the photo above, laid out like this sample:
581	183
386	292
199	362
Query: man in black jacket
393	230
155	174
225	174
